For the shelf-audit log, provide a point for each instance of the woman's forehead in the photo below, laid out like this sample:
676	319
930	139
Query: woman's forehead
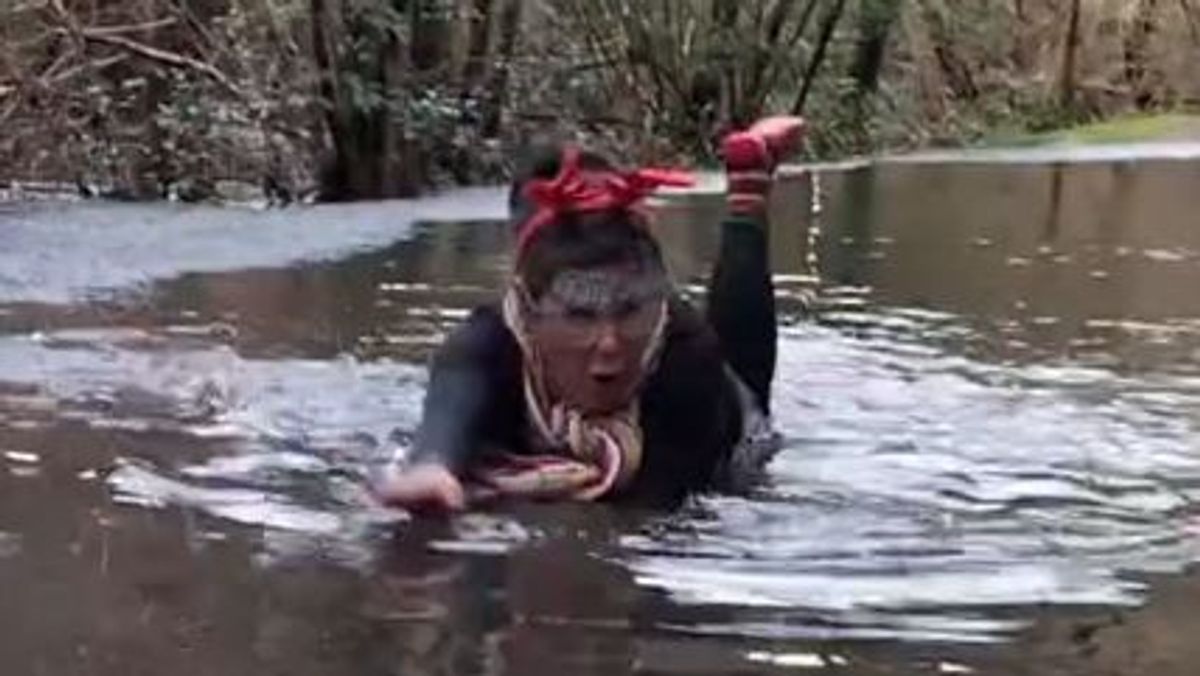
606	284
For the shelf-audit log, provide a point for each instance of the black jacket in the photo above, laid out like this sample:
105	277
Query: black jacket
695	409
690	410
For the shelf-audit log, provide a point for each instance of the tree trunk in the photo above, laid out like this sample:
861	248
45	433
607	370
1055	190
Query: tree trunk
369	157
818	57
801	24
725	13
724	20
875	22
430	30
335	173
479	29
1136	45
759	79
955	70
497	87
1021	38
1193	23
1067	80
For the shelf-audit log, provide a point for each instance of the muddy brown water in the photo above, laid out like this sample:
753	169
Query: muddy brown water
988	387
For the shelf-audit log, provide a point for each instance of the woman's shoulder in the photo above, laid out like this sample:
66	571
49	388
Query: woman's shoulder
690	340
482	335
485	323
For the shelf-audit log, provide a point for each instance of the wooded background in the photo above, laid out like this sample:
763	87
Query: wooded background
358	99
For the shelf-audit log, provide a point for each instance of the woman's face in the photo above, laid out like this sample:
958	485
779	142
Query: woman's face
592	329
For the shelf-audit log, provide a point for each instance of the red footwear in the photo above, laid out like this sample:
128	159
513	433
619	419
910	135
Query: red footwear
751	156
760	147
782	134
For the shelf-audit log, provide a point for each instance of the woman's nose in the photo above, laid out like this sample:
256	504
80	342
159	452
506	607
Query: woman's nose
608	337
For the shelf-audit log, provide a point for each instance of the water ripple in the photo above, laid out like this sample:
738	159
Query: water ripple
919	488
917	483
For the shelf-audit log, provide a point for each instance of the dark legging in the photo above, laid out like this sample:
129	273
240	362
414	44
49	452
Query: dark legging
741	304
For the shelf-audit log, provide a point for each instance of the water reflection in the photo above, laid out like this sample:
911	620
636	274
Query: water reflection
976	422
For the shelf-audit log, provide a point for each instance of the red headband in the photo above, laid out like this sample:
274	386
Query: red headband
576	189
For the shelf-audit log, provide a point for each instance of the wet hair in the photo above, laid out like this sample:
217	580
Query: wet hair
577	240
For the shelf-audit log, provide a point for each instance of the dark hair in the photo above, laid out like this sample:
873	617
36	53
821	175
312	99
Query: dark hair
577	240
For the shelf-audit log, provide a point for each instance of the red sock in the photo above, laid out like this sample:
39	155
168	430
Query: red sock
748	168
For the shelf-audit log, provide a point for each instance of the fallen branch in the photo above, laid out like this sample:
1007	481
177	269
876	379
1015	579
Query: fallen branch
106	36
99	65
164	57
594	120
134	28
184	11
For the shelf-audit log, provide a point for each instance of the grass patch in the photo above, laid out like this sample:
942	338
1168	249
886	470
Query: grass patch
1128	129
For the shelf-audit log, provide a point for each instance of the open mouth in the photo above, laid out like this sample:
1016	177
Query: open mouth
605	379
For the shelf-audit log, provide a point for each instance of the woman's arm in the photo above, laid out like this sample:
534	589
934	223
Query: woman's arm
456	401
460	412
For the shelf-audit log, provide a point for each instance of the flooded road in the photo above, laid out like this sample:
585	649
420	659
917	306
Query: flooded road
989	387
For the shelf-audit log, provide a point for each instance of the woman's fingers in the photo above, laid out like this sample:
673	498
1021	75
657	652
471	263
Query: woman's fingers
430	487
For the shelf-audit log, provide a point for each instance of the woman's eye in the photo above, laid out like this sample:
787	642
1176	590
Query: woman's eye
581	314
627	309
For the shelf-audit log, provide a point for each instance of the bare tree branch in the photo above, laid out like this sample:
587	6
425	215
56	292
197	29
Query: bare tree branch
814	64
164	57
79	69
134	28
778	67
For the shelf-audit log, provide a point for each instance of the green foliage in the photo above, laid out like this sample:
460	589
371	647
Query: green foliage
385	97
161	100
1125	129
692	69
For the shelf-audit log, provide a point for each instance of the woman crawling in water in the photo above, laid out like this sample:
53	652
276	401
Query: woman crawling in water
593	379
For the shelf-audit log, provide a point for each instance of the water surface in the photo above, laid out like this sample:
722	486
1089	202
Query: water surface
988	387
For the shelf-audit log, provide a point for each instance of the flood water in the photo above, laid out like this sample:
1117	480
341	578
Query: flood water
989	387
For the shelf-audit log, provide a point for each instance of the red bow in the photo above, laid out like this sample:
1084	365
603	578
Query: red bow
576	189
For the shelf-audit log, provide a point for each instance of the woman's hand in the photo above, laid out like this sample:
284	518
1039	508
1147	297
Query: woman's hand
425	487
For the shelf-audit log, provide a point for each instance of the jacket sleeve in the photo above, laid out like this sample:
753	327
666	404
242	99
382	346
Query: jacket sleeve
465	402
741	304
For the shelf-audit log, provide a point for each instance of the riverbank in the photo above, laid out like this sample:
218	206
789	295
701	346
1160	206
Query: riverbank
1155	128
1154	136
